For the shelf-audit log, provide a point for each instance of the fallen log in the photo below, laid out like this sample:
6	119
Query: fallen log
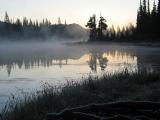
131	110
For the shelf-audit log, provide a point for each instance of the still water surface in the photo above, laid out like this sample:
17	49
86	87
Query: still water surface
27	66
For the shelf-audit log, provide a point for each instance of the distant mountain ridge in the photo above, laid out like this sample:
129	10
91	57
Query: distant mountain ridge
69	31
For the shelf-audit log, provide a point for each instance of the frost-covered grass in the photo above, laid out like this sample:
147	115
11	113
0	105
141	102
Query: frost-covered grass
118	87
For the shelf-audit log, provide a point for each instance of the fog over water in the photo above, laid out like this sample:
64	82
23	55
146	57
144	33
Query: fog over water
27	65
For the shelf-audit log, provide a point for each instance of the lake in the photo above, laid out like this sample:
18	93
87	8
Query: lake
25	67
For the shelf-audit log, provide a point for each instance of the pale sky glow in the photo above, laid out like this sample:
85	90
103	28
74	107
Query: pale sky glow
117	12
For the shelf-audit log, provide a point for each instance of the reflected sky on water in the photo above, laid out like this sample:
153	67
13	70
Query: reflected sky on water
26	66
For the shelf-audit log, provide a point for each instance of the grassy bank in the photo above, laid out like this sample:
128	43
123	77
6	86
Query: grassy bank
118	87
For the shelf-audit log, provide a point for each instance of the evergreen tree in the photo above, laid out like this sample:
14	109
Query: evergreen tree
118	34
25	22
154	11
102	26
123	33
154	19
42	24
91	24
145	19
18	27
18	22
148	21
30	23
37	24
113	32
140	19
6	18
148	10
7	26
59	21
47	23
159	7
144	7
158	20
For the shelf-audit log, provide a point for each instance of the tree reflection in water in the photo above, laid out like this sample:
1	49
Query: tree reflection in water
97	58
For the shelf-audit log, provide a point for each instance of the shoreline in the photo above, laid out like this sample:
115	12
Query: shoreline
109	88
141	43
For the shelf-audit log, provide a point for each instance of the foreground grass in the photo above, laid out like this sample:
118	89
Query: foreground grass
118	87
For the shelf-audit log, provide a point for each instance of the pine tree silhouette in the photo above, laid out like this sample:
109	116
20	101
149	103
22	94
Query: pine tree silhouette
6	18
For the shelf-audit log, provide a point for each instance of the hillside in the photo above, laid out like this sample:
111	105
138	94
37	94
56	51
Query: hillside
68	31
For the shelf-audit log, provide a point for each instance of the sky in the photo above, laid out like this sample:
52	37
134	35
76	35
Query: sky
117	12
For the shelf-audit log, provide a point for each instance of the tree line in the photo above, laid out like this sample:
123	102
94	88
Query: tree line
101	32
24	28
28	29
148	21
147	26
